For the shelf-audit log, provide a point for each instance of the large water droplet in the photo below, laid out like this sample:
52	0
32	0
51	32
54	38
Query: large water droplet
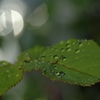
57	74
77	51
42	57
63	58
62	49
68	49
60	74
55	57
67	45
80	44
27	60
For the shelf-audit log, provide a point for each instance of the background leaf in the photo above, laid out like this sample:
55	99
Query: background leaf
10	75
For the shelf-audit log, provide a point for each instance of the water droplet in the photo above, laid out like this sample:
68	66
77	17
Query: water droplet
26	55
68	49
51	48
4	64
91	68
55	57
67	45
82	50
55	67
80	44
76	57
77	51
51	56
17	75
61	42
89	80
27	60
88	42
68	41
57	74
7	71
62	49
51	71
42	57
60	74
44	69
63	58
35	60
73	43
9	75
3	79
55	49
85	40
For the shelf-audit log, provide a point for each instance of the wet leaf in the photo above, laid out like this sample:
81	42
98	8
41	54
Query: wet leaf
10	75
73	61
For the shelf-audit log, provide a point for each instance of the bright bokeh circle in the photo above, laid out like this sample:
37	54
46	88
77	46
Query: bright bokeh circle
11	21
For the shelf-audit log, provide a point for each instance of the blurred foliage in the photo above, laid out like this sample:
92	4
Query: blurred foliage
81	19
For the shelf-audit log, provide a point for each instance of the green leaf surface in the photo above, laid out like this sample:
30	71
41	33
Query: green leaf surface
10	75
29	58
73	61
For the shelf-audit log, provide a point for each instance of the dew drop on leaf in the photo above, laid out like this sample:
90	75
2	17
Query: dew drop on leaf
26	55
68	41
55	67
67	45
56	49
7	71
9	75
55	57
77	51
62	49
68	49
80	44
42	57
73	43
17	75
51	56
63	58
61	42
60	74
4	64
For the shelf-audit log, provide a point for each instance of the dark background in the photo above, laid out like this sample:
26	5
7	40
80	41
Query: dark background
67	19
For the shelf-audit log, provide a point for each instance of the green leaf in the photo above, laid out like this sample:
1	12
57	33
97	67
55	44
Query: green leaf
73	61
10	75
30	58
